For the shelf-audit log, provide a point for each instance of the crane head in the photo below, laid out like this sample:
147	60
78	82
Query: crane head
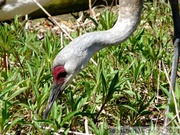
66	65
59	77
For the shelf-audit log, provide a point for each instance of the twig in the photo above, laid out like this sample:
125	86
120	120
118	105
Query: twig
90	9
53	20
27	24
176	42
172	92
162	130
86	125
158	83
93	61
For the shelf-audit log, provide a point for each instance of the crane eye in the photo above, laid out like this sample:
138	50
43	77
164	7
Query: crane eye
61	75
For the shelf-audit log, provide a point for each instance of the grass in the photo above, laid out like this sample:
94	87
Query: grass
128	87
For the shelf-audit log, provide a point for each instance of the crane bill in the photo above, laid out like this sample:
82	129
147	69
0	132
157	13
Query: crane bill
55	92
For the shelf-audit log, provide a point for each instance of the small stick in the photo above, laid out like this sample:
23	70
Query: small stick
53	20
86	125
174	98
176	42
169	122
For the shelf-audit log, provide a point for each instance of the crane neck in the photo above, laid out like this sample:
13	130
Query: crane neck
128	20
83	47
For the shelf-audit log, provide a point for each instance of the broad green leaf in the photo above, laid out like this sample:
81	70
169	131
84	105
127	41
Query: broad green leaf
131	108
68	117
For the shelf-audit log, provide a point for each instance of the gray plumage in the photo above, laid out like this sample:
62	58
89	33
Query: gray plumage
74	57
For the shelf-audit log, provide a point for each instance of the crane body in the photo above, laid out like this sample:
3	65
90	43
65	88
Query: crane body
10	8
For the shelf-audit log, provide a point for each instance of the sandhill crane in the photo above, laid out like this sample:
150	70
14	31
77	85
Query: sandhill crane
10	8
74	57
176	41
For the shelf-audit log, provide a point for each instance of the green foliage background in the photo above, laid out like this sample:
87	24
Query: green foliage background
128	87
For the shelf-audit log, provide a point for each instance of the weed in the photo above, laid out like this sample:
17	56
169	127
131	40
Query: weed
127	88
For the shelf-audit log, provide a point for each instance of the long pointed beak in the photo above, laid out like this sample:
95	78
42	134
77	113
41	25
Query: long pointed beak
55	92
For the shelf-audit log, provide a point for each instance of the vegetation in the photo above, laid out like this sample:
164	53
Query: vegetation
127	87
